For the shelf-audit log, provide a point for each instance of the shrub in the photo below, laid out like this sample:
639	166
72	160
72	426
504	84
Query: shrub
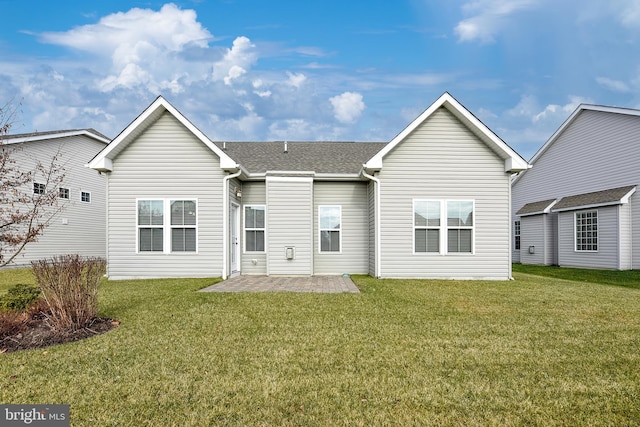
19	297
69	287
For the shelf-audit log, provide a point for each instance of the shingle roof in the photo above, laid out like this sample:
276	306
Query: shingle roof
319	157
535	207
612	196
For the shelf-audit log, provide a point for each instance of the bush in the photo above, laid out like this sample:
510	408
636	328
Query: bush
69	287
19	297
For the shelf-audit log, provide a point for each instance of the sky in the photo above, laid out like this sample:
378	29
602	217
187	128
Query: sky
330	70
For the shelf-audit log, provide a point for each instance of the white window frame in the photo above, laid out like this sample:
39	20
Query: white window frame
517	229
82	193
596	239
183	226
427	227
245	228
39	188
444	227
339	230
166	226
64	193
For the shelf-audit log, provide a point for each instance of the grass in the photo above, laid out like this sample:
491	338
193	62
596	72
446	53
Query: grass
629	278
534	351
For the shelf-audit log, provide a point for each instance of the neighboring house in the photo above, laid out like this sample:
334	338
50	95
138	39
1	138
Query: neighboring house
577	206
432	203
79	225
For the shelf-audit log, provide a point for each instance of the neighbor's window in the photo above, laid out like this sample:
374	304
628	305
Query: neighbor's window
254	228
329	226
150	225
39	188
63	193
426	226
516	234
460	226
586	231
85	197
183	226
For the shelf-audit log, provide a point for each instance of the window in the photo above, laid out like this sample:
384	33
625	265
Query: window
426	224
167	226
150	225
329	226
39	188
431	234
183	226
63	193
516	234
85	197
459	226
586	231
254	228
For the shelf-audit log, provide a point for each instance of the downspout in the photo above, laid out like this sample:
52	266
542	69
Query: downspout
225	220
376	220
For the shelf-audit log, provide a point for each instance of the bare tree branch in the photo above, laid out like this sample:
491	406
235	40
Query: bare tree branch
24	210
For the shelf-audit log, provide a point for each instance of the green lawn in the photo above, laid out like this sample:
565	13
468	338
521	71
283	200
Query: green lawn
534	351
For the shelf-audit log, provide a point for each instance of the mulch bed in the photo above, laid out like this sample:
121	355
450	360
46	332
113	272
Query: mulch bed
34	331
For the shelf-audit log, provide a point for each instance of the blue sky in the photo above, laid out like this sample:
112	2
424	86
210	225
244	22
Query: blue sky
317	70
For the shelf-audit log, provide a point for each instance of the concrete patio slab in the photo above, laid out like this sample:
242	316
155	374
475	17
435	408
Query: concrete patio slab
318	284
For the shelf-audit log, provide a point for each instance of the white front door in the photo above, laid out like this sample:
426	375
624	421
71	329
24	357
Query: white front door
234	242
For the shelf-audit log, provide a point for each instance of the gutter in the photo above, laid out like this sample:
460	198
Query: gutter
225	220
376	219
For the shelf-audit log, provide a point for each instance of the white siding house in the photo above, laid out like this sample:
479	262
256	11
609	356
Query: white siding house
305	208
78	226
577	206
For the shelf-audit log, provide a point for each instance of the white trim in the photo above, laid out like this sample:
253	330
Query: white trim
166	225
8	139
575	232
441	249
320	251
290	178
144	120
444	227
513	161
376	221
225	220
244	228
238	231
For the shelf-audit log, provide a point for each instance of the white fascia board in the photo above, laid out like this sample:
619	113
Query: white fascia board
513	161
102	165
41	137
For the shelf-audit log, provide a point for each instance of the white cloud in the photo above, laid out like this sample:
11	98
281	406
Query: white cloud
241	56
611	84
347	107
554	110
297	79
488	18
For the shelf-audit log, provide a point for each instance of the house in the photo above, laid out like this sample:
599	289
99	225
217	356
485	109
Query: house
78	226
431	203
577	206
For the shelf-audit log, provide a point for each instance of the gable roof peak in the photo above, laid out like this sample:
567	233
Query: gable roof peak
513	162
103	160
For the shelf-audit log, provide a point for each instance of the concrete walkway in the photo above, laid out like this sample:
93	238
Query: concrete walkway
318	284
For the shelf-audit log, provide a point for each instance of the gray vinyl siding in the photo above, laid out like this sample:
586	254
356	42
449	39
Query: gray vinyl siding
84	232
253	193
165	161
598	151
442	159
289	223
607	254
354	233
371	194
533	232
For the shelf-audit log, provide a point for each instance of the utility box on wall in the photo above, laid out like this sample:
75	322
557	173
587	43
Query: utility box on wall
290	252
